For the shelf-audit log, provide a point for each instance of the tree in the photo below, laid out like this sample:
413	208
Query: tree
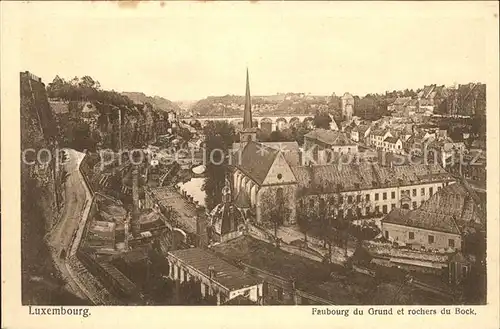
219	137
322	120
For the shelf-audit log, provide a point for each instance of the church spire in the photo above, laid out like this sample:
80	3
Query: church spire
247	114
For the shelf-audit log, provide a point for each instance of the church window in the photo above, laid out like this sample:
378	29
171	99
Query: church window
280	176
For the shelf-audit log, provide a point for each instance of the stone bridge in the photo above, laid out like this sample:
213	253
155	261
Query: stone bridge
268	122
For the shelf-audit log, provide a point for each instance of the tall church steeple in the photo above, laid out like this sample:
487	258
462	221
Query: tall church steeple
247	114
248	133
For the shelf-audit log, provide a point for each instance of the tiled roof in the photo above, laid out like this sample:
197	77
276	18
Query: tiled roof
422	219
391	140
362	128
124	282
427	91
255	160
330	137
455	200
362	176
378	132
267	257
401	100
227	275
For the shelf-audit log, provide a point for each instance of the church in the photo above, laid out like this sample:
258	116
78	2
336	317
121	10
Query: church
270	184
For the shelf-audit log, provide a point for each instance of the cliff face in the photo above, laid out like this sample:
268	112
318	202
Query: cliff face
158	102
40	198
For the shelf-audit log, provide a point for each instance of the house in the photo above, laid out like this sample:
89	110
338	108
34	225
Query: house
377	137
398	104
322	144
446	151
393	145
217	277
420	229
360	133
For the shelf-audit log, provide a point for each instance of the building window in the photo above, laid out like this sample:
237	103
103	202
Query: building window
451	243
384	195
311	203
414	192
376	196
393	195
358	198
367	210
430	239
368	197
178	273
349	199
384	209
387	234
422	191
331	200
341	199
377	209
393	206
414	204
430	191
439	188
411	235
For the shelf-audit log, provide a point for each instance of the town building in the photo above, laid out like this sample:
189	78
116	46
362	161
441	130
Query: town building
366	189
378	136
420	229
217	277
324	143
393	145
360	133
440	222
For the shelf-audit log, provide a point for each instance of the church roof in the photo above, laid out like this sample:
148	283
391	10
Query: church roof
225	218
422	219
255	160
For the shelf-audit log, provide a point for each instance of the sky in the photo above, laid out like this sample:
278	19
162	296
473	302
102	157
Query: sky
188	51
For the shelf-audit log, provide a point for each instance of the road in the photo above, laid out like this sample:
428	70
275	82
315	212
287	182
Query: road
61	236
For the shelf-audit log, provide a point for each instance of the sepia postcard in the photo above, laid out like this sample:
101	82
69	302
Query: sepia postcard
242	164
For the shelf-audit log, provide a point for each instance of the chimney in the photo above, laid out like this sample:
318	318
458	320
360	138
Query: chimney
211	272
135	201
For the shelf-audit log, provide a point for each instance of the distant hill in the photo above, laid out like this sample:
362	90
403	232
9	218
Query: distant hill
157	102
